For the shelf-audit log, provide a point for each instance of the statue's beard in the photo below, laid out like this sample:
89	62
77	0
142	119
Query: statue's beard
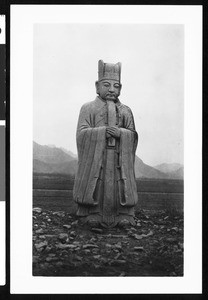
112	97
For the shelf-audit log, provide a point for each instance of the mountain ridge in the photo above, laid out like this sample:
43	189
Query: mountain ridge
51	159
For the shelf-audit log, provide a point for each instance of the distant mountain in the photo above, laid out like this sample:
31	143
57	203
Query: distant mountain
50	154
172	171
61	168
42	167
144	171
69	152
166	168
50	159
177	174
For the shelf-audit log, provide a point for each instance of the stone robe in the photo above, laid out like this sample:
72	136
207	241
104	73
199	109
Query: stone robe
105	187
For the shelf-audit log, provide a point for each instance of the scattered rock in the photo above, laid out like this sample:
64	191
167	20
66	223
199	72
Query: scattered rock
64	253
180	245
63	237
42	237
65	246
86	246
171	240
41	245
76	243
118	246
39	231
67	226
118	236
139	248
49	236
97	256
97	230
51	254
35	259
59	264
75	222
138	237
49	259
60	214
117	256
93	239
175	229
79	258
95	250
72	233
141	236
118	262
55	245
37	210
86	251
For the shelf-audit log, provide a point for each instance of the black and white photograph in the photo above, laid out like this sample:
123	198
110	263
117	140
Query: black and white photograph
106	145
108	195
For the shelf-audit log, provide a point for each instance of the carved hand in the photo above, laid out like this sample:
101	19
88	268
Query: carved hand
113	131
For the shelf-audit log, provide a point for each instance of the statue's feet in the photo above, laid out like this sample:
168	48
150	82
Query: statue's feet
93	220
124	223
93	223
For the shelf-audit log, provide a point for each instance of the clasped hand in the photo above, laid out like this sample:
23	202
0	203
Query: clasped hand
113	132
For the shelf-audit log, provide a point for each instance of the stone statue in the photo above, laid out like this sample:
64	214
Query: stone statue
105	186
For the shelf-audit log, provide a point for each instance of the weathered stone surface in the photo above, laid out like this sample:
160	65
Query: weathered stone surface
86	246
67	226
171	240
63	236
41	245
39	231
65	246
37	210
35	259
158	254
60	214
139	248
101	192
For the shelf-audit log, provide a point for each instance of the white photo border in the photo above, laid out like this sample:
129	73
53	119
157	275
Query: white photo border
22	19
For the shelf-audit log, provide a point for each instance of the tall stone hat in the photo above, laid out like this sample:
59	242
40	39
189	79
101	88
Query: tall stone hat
109	71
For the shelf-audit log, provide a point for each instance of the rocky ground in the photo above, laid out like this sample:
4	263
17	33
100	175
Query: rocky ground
64	247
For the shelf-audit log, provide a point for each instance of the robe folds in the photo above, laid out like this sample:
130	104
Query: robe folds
92	146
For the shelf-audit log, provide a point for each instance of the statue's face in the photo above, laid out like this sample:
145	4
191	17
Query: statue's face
108	89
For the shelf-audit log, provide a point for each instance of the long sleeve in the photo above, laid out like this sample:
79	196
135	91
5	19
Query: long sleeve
90	145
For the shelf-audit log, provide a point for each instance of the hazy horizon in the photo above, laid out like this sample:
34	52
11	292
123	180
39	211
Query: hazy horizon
75	154
152	76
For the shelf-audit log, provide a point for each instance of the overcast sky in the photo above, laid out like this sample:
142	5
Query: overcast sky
66	67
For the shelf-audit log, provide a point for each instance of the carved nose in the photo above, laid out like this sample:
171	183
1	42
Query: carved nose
111	89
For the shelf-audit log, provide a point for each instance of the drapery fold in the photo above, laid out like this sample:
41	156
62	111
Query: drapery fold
91	145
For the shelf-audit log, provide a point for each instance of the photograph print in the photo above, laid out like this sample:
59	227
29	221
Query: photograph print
108	149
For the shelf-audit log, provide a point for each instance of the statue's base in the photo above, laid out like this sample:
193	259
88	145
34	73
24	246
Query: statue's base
95	220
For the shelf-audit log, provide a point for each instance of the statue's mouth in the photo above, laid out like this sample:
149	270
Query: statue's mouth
111	96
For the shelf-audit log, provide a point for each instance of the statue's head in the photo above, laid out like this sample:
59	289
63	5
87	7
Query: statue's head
108	86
